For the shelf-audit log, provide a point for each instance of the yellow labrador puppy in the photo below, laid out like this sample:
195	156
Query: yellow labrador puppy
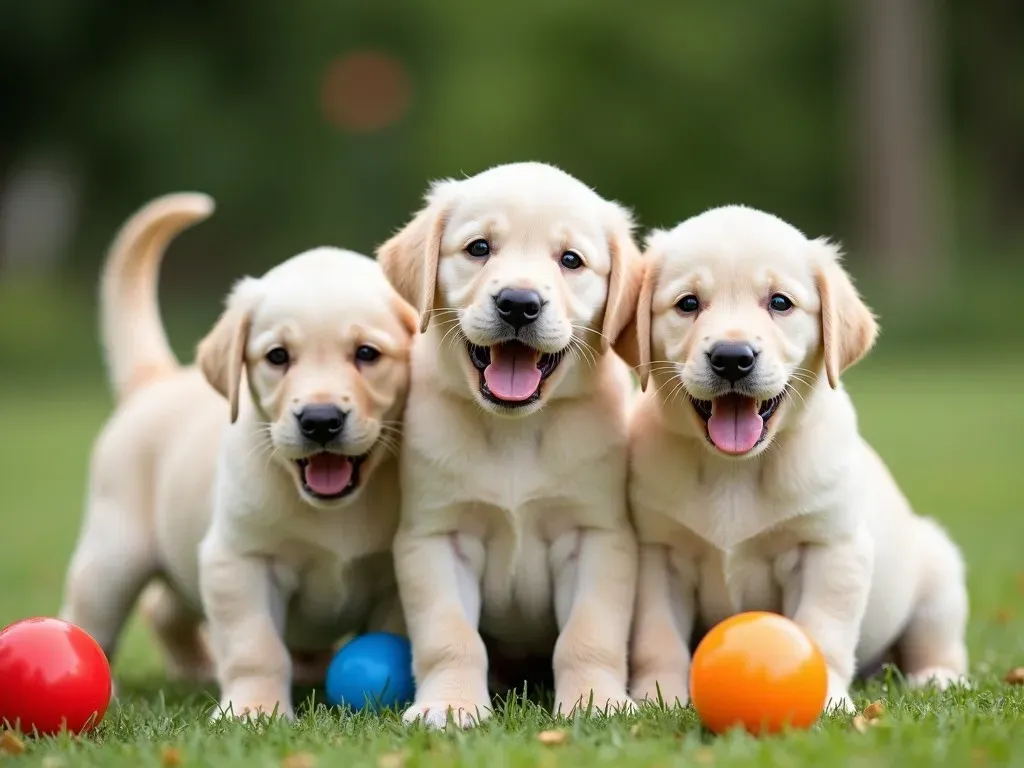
750	485
284	469
514	522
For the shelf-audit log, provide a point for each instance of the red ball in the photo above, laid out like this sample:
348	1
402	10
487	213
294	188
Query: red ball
53	675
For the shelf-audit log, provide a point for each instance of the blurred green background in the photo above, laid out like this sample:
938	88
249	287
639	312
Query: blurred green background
892	125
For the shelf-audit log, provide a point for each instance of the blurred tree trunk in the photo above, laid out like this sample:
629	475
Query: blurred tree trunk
898	113
994	66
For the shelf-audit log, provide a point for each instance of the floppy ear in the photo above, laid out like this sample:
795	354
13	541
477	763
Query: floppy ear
848	327
634	343
406	314
409	258
221	354
624	280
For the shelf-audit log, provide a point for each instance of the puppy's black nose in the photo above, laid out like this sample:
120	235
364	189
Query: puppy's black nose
321	423
518	306
732	360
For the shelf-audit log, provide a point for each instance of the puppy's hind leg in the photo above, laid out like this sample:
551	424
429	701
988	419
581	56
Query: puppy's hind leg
933	649
178	628
114	558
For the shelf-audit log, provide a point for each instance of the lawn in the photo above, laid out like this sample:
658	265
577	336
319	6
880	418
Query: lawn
949	430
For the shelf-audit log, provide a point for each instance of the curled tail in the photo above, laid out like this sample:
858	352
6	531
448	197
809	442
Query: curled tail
134	340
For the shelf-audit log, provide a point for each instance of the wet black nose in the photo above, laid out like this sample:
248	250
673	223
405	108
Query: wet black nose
732	360
321	423
518	306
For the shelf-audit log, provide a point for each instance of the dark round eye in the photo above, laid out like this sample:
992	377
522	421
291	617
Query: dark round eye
780	303
278	356
479	249
366	354
571	260
688	304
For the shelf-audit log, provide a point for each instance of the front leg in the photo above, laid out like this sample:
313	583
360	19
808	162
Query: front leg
662	625
595	588
245	611
440	592
834	582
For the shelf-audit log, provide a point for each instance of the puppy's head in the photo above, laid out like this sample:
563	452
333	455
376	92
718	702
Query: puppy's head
739	315
320	344
526	273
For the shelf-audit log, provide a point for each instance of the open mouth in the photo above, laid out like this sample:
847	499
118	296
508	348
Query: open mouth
330	476
736	423
511	373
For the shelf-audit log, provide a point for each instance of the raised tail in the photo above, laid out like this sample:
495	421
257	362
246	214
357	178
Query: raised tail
134	341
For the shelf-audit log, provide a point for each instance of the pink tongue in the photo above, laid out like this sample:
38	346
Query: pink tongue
328	474
735	425
513	374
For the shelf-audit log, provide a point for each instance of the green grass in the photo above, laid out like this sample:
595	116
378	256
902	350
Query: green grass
950	432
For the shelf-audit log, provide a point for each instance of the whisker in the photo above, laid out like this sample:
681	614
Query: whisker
455	338
584	351
676	391
674	380
585	329
575	351
795	391
454	329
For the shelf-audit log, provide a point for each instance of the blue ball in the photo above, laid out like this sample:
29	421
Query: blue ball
372	671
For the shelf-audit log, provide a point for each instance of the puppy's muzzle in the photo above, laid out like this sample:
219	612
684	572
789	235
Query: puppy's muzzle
732	360
321	423
518	307
326	474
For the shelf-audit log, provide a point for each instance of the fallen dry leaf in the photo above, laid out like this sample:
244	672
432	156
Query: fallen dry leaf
1015	676
1003	615
874	710
704	756
170	756
860	723
552	738
391	760
299	760
11	744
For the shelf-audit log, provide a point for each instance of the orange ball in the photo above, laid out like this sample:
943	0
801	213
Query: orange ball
758	670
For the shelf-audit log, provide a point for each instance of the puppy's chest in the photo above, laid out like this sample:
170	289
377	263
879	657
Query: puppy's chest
327	593
512	466
728	511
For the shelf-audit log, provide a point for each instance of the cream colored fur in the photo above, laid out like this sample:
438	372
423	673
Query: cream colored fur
282	575
514	523
808	523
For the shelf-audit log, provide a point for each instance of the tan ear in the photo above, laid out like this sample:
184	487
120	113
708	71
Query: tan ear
221	354
634	343
409	259
848	327
624	280
406	314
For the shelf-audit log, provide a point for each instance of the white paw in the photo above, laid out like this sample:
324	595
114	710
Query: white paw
250	710
602	702
669	691
837	699
437	714
940	677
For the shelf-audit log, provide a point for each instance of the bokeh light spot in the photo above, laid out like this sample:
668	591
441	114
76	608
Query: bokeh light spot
365	91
